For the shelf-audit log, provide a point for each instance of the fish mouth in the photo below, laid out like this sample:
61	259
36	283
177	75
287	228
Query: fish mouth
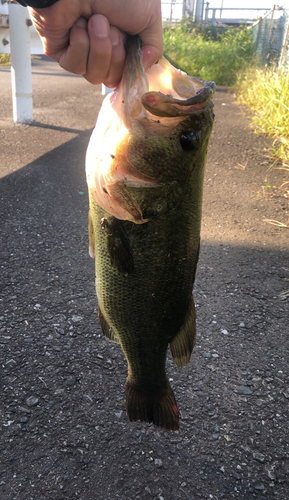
162	105
180	94
162	91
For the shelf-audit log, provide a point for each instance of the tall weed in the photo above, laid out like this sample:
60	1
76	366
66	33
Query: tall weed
266	92
209	53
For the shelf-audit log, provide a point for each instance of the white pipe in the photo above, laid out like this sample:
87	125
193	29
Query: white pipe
20	64
105	90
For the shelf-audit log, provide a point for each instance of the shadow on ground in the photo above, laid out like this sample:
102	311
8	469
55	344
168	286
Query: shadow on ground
65	432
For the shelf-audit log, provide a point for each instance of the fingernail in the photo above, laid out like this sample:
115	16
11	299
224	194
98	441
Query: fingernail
81	22
114	36
100	26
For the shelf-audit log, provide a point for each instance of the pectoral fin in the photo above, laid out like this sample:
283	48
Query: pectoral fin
91	236
118	245
183	343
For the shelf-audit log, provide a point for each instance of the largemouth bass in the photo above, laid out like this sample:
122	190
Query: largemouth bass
145	169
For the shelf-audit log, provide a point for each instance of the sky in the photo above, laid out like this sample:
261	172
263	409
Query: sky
266	4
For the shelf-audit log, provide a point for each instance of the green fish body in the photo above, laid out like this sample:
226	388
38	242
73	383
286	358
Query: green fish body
145	171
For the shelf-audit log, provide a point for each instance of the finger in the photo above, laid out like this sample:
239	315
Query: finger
117	58
100	51
150	55
152	39
74	58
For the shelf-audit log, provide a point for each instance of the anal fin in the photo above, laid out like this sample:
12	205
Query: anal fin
106	329
182	344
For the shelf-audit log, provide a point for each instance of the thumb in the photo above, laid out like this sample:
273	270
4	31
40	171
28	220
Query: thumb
152	39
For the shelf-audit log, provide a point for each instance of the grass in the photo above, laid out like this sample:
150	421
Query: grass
209	53
266	92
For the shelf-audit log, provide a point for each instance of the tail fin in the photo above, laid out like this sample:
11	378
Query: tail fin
159	408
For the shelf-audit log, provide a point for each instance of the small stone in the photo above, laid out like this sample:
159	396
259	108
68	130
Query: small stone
183	484
118	414
225	332
58	391
211	367
24	410
32	401
11	362
70	381
244	390
286	394
242	325
259	457
270	469
147	489
158	462
259	486
76	318
8	423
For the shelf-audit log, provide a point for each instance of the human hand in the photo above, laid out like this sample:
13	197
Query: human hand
86	36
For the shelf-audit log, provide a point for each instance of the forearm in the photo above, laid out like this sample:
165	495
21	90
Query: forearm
37	4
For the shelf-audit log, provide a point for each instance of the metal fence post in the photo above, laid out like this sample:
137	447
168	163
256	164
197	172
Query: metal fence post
20	64
258	34
269	32
184	9
285	46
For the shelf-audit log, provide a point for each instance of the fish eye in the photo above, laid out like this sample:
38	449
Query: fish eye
190	140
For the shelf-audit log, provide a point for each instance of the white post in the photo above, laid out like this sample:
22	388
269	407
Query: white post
20	64
105	90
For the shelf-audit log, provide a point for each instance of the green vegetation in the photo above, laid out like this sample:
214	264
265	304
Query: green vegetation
225	55
209	53
5	60
266	92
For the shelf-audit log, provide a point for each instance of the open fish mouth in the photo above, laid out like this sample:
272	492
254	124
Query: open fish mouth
162	91
187	95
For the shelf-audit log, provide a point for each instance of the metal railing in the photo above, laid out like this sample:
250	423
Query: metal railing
211	14
173	11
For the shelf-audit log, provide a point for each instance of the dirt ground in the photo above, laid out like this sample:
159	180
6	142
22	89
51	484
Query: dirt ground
64	430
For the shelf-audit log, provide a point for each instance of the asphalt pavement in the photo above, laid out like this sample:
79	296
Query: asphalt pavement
65	434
